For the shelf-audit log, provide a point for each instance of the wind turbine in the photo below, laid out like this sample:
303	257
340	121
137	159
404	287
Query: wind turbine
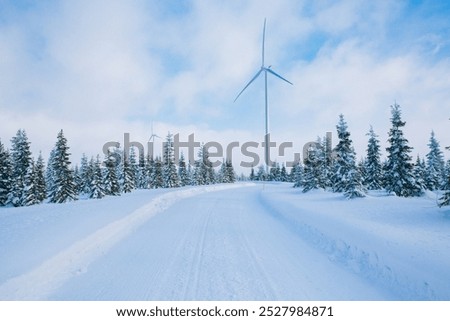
270	71
152	137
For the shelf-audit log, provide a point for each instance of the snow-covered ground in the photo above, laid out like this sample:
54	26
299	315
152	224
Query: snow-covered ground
227	242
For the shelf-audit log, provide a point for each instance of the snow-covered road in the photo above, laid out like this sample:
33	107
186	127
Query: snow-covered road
210	243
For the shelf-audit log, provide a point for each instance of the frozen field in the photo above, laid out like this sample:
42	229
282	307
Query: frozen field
227	242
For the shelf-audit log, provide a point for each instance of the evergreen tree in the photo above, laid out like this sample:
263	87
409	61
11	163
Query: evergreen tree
182	172
203	172
50	174
435	165
296	174
347	178
96	186
128	177
86	176
227	174
373	176
157	179
64	188
133	168
21	162
170	175
141	172
5	175
311	170
30	186
149	168
398	172
111	182
252	174
261	173
420	174
41	188
445	199
284	177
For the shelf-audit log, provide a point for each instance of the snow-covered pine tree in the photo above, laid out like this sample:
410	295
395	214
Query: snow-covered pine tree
227	174
311	169
64	188
50	174
21	162
203	172
275	172
133	167
128	175
446	185
398	172
284	177
182	171
149	168
5	175
86	176
96	186
41	188
170	175
30	183
111	182
373	175
296	174
141	172
346	176
252	174
261	173
419	172
445	199
157	179
435	165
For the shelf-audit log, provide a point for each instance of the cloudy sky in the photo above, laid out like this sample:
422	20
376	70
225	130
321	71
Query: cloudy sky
99	69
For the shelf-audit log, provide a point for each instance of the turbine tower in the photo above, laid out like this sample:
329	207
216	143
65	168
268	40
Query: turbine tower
152	140
265	70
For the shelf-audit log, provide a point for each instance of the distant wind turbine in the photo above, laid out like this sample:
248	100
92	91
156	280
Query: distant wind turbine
265	70
152	139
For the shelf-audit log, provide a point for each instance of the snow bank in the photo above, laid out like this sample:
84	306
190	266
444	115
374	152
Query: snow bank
400	244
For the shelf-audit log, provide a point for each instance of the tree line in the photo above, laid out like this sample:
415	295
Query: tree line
336	169
25	181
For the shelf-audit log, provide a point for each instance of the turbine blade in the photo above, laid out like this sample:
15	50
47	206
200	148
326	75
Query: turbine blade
256	76
275	74
264	38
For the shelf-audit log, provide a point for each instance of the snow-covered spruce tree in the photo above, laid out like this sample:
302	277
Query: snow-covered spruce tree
128	176
311	169
446	185
31	188
373	175
275	172
435	165
419	172
182	171
86	176
346	177
227	174
96	186
284	177
203	172
252	176
445	199
111	182
141	175
261	174
170	175
64	188
157	179
21	162
133	167
41	188
296	174
5	175
398	172
149	167
50	174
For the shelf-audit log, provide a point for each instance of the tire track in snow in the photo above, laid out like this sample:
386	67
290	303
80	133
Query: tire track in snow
40	282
